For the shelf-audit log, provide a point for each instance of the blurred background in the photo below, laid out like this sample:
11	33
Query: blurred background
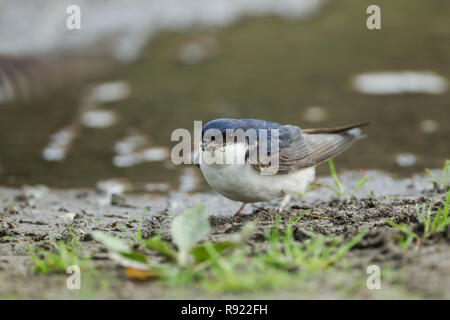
79	108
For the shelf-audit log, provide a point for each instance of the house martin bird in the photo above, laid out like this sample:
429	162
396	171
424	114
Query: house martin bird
294	158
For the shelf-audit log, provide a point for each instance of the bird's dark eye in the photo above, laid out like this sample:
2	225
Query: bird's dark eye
213	138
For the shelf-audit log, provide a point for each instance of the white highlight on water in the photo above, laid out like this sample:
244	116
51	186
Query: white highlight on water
59	144
315	114
98	118
405	159
135	149
429	126
111	92
400	82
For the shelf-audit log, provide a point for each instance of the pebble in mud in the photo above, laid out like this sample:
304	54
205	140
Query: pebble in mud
301	234
70	217
330	218
111	186
373	239
5	228
153	226
85	237
447	233
11	210
117	199
35	191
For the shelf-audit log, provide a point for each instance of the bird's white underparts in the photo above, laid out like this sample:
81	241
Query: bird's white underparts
242	182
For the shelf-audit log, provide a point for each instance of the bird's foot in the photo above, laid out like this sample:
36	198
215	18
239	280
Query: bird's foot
239	210
283	202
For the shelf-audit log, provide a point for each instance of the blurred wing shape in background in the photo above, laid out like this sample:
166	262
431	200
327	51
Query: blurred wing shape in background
27	78
20	78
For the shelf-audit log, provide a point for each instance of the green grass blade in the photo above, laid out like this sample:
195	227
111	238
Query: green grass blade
335	177
361	183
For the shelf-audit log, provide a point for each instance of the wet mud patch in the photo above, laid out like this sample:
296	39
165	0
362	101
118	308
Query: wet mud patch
421	271
337	217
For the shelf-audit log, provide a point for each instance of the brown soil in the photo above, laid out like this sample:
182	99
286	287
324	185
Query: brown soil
423	271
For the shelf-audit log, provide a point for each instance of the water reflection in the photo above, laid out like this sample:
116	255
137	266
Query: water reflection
298	72
400	82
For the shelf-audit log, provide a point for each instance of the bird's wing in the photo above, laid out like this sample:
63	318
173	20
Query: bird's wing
301	149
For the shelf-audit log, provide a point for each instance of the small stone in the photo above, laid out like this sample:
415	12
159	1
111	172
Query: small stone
35	192
11	210
86	237
301	234
5	228
112	186
447	233
117	199
68	217
419	229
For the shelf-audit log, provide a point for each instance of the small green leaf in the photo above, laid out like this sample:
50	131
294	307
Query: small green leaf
188	229
447	201
130	259
162	247
335	177
332	189
6	239
247	231
134	257
136	218
201	253
111	243
361	183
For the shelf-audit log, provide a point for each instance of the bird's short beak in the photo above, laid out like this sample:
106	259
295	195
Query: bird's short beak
210	146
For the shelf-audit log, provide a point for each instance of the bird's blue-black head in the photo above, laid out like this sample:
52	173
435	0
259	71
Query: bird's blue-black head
222	125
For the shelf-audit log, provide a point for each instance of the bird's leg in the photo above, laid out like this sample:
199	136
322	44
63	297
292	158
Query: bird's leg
283	202
240	209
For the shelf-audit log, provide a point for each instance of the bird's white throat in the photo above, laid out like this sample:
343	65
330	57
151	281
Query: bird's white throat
241	182
227	154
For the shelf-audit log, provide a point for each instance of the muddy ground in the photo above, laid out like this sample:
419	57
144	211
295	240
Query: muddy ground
31	216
